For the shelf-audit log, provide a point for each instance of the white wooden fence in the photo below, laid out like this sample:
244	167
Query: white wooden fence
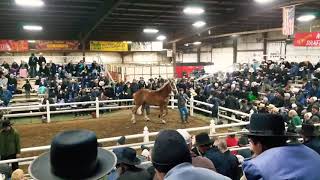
145	135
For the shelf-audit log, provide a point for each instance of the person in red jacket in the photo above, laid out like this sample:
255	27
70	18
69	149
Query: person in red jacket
232	141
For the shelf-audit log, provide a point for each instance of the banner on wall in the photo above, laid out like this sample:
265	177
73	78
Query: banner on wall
14	46
288	16
57	45
108	46
141	46
308	39
147	46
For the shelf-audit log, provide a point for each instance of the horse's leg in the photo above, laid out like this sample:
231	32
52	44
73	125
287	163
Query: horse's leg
166	109
145	112
161	114
134	111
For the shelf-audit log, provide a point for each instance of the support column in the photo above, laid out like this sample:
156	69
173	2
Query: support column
198	54
174	63
83	43
235	49
265	36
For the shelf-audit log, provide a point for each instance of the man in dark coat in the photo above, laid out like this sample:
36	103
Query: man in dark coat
134	86
310	137
33	60
231	162
205	145
127	162
42	60
9	143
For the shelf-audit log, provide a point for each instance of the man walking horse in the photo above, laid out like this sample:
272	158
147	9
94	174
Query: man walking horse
159	97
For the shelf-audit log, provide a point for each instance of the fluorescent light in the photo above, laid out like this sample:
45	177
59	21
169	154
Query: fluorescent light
193	10
197	43
32	28
199	24
306	18
263	1
161	37
30	3
150	31
186	44
31	41
235	35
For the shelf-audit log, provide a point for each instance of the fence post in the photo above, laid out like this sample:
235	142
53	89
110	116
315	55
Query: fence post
172	101
145	134
212	128
97	108
191	105
48	111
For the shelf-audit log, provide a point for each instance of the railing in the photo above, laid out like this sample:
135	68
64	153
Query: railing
145	135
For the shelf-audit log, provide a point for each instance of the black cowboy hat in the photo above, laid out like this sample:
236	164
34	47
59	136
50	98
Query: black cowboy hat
170	149
6	123
128	156
203	139
122	140
264	124
308	130
73	155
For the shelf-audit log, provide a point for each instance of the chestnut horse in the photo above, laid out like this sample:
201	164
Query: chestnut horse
159	97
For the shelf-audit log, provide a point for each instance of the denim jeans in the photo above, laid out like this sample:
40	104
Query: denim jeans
183	114
33	71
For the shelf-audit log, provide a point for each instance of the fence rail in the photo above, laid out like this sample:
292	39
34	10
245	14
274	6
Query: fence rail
145	135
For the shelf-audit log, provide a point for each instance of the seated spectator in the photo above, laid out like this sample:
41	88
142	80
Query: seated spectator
207	149
18	174
310	136
127	162
172	159
230	159
197	161
73	155
306	117
121	141
315	110
5	171
294	120
243	142
232	141
273	158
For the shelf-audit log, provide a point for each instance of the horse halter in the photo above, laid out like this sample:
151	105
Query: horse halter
173	86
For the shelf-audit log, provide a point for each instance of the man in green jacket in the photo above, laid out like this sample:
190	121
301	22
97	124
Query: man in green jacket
9	143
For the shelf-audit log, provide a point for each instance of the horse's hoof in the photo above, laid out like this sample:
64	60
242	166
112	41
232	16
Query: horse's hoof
147	119
133	121
163	121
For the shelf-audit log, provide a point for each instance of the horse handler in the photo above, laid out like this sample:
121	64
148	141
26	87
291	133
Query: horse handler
182	100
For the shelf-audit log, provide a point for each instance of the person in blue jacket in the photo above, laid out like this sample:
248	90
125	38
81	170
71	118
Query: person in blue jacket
5	96
275	159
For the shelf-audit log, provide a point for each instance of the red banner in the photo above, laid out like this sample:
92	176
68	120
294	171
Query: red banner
57	45
186	70
14	46
311	39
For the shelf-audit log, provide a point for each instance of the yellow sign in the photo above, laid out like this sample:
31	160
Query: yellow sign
108	46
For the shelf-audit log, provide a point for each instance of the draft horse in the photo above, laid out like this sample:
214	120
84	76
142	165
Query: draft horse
159	97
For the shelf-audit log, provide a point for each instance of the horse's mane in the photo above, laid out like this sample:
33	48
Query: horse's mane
161	88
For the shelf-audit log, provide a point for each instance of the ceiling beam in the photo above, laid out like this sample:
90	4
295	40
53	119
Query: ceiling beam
243	12
104	11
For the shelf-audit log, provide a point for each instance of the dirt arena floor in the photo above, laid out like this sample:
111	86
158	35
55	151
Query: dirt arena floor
112	124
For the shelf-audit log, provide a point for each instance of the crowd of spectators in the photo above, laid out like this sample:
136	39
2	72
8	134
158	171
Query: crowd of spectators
264	90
